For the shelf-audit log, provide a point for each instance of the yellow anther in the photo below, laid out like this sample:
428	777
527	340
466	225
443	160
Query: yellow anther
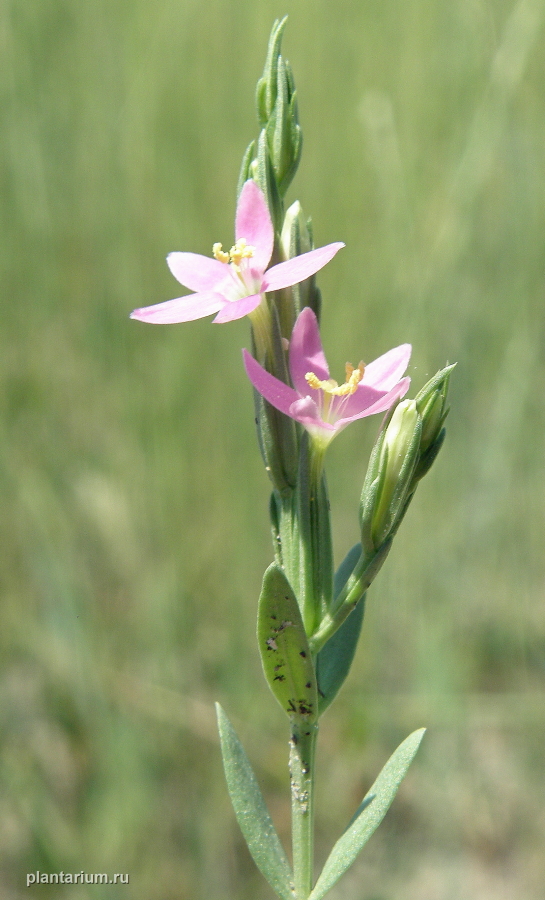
220	254
353	378
240	251
313	381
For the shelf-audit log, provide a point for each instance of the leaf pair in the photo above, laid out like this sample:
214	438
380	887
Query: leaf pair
304	691
258	828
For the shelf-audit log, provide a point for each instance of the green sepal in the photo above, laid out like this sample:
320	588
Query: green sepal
267	436
374	479
252	813
277	125
312	513
368	817
245	168
303	522
431	403
265	178
266	90
283	131
277	434
335	658
428	458
283	645
261	101
287	430
398	459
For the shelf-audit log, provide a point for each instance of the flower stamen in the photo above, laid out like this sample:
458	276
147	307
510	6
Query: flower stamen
219	254
330	386
239	251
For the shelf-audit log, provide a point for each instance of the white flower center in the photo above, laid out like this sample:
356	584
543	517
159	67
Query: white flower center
243	282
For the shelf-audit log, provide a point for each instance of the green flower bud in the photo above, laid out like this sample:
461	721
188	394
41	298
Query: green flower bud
295	236
398	457
276	100
267	86
283	131
431	404
432	419
295	239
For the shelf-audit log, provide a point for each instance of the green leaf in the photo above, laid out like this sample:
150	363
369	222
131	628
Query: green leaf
252	813
345	569
283	644
335	658
369	815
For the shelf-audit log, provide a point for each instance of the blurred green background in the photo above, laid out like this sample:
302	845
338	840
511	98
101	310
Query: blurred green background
134	527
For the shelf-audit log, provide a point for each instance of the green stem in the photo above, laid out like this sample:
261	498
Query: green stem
260	318
312	513
364	572
302	754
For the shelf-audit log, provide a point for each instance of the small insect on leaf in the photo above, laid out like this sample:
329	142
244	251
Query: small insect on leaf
285	654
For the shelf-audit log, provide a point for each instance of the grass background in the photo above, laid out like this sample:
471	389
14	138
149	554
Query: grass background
134	527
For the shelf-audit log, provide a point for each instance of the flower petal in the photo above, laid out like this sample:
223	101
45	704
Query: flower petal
356	404
385	402
253	223
279	395
300	267
306	353
236	309
196	272
182	309
306	411
385	371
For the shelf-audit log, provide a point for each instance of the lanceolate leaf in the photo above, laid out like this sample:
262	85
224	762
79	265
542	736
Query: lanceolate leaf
335	658
369	815
252	813
283	644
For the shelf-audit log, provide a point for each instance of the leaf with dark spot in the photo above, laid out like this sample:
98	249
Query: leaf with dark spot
284	647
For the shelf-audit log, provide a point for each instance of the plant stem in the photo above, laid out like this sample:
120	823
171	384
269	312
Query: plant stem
302	754
260	318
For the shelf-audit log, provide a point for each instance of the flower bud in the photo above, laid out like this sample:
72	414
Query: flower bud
295	237
431	404
395	466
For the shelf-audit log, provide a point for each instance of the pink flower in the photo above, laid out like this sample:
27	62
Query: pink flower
318	402
231	284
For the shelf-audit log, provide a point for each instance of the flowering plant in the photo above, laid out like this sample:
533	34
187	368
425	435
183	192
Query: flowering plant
309	616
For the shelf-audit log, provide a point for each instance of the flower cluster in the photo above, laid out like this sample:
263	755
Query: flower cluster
233	284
